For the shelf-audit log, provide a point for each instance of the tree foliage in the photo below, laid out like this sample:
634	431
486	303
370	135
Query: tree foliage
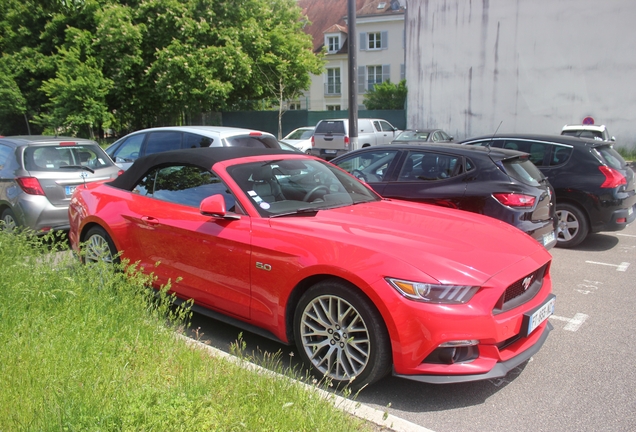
386	96
74	66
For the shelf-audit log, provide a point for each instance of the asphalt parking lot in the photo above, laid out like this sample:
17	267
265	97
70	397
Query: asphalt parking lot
581	380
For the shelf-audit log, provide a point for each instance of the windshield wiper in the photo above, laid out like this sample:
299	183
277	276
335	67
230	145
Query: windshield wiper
82	167
300	211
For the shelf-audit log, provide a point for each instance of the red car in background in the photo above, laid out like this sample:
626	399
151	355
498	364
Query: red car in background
294	248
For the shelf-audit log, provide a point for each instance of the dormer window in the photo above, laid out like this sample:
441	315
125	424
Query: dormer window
333	44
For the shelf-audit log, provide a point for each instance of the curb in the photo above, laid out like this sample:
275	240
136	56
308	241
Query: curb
365	412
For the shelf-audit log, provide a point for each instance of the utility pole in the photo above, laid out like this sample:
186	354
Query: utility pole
353	76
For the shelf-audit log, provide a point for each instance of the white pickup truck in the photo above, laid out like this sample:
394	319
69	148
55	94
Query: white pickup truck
331	136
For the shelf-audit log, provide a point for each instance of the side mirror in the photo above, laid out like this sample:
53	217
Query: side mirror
215	206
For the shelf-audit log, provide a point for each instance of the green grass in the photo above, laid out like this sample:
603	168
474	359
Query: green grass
87	348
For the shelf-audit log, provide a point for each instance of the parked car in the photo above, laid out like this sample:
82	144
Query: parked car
423	135
588	131
296	249
288	147
300	138
149	141
499	183
332	137
595	189
38	174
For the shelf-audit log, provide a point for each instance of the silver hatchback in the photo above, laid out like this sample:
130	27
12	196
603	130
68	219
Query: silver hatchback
38	175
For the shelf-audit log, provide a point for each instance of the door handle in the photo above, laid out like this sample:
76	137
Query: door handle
149	220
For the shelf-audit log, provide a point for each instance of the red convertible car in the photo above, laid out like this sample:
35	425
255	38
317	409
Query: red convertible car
292	247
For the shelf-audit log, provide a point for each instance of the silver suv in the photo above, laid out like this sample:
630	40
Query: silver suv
38	174
594	132
332	138
155	140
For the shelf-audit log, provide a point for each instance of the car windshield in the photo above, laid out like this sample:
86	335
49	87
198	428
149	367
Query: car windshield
523	170
412	136
57	157
298	186
611	157
252	140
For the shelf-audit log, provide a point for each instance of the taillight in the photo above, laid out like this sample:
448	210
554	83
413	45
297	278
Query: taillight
515	199
613	178
120	172
255	134
30	185
346	142
313	142
67	143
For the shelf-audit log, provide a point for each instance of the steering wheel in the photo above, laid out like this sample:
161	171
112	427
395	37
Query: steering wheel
313	191
359	175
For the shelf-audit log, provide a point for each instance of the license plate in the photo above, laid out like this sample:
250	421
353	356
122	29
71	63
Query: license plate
68	190
548	238
331	151
534	319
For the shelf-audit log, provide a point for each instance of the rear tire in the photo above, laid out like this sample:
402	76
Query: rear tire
9	221
341	336
99	247
572	226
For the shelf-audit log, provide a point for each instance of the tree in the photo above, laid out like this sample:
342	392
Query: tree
153	61
386	96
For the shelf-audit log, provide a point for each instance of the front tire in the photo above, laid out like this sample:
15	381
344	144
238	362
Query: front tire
99	247
572	226
341	336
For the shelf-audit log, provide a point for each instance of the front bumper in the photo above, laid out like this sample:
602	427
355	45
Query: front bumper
500	370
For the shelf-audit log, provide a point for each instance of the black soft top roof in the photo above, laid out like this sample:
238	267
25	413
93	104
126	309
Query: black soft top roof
201	157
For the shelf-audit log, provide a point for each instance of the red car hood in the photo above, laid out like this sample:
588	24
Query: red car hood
451	246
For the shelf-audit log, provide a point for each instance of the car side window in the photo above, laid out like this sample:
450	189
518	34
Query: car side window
5	152
371	165
429	166
185	185
386	126
191	140
376	125
163	141
131	148
536	150
560	155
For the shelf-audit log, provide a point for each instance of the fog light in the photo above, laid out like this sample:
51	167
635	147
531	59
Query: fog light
454	352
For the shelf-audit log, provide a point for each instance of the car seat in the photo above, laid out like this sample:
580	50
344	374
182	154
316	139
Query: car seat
266	186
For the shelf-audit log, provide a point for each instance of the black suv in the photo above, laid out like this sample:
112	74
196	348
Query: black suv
595	189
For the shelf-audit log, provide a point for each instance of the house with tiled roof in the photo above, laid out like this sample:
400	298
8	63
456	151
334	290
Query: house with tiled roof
380	49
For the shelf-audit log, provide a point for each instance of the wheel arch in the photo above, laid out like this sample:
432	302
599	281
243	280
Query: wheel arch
308	282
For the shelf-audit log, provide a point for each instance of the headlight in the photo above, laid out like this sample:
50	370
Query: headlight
432	293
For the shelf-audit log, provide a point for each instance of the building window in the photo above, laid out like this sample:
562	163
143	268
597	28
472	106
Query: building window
333	43
333	107
374	76
374	41
294	105
333	82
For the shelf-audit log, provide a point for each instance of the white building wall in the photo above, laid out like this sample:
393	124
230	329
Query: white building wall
529	65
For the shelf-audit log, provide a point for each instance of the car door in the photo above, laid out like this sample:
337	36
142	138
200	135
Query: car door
429	177
372	166
205	258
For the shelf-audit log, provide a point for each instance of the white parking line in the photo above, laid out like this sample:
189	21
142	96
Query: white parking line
619	267
574	323
626	235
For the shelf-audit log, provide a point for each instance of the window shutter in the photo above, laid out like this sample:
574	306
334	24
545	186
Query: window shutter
384	36
362	79
363	42
386	72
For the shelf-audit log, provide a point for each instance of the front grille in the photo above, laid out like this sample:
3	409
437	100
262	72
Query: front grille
521	291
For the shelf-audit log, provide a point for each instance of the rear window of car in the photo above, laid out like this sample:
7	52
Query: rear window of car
523	170
54	158
330	127
253	141
611	157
